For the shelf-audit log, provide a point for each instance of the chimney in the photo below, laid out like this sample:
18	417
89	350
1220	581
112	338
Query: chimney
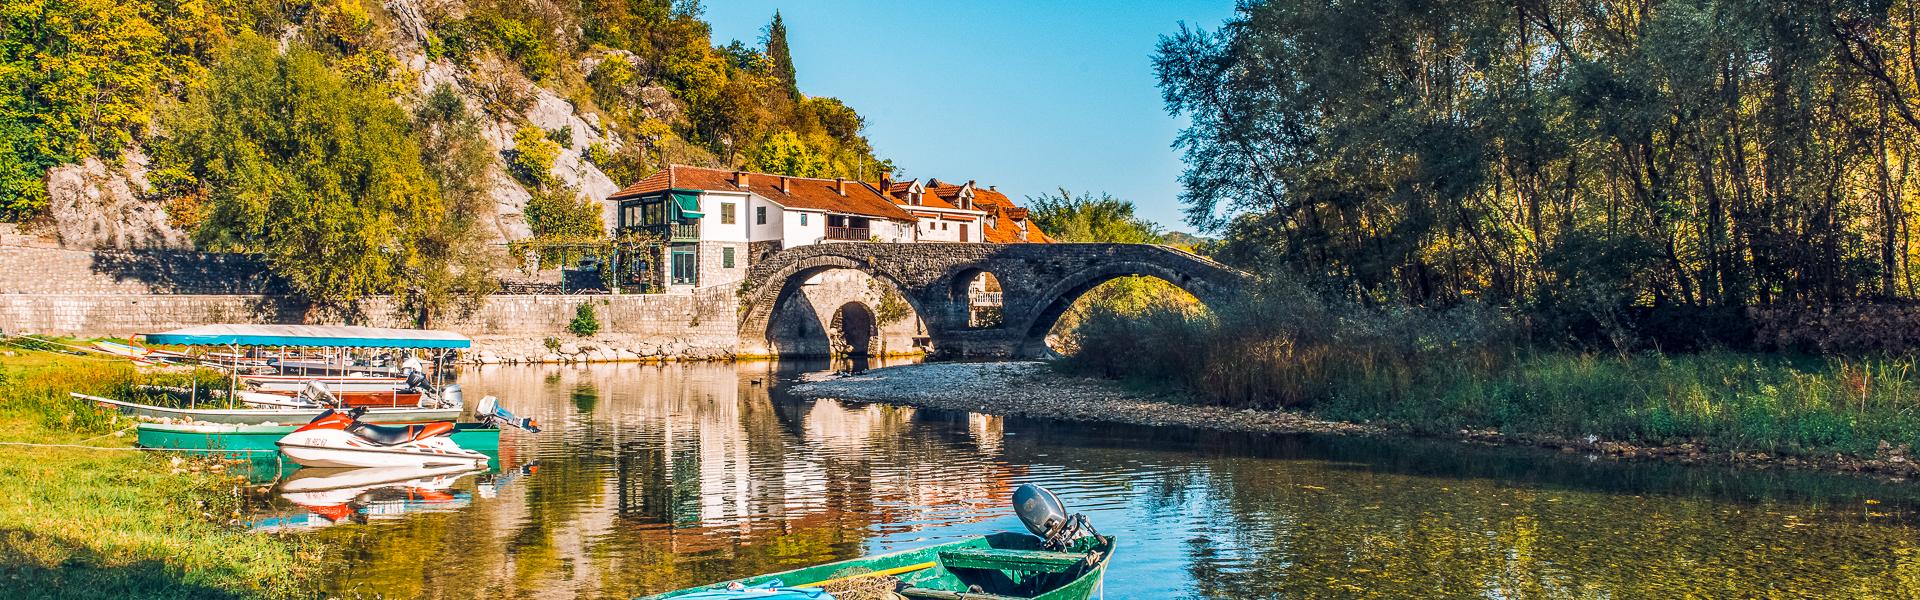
840	185
886	180
784	188
993	188
740	179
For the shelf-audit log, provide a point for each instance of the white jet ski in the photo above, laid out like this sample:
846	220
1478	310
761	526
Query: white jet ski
340	439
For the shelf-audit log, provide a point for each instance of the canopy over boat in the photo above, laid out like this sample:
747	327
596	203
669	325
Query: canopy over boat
336	336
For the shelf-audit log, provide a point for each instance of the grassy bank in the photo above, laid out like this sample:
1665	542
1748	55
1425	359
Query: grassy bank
1470	369
92	523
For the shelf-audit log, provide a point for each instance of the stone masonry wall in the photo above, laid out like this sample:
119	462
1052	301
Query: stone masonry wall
65	292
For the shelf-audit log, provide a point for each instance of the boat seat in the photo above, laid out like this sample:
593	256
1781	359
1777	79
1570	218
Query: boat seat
398	434
1029	561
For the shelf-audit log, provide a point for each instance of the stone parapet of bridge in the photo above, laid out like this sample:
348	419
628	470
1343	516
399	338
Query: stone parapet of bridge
1038	283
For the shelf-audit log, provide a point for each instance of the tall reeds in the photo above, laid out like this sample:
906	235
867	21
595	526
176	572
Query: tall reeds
1282	346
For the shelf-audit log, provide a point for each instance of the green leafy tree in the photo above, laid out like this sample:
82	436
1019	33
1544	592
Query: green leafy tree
457	158
532	156
781	56
785	153
1086	218
77	78
560	213
321	179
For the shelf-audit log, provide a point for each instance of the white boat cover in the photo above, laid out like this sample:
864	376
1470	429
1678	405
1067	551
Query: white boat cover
333	336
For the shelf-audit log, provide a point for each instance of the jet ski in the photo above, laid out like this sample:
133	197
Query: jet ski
341	439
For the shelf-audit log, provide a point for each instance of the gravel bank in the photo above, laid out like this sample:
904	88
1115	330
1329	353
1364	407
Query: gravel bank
1032	389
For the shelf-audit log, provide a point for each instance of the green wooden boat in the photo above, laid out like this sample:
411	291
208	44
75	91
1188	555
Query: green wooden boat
256	441
1000	566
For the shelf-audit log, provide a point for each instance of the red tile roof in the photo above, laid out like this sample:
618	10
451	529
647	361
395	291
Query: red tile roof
802	192
1004	217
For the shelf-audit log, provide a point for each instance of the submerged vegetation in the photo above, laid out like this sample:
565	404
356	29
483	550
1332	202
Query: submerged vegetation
87	517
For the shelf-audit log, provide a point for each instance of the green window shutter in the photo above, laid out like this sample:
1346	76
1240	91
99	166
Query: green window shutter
689	205
726	257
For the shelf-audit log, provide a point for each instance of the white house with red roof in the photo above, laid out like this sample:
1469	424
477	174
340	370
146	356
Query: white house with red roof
717	221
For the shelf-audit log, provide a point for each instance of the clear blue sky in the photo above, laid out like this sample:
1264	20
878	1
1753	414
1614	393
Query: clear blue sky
1029	96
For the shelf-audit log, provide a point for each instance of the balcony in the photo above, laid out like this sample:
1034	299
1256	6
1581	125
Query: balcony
677	232
850	234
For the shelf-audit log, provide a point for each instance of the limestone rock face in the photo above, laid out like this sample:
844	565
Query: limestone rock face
97	205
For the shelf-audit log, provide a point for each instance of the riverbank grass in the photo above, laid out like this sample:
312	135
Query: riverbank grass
116	523
1794	405
1475	369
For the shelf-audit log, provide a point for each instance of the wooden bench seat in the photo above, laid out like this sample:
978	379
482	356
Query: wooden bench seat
1026	561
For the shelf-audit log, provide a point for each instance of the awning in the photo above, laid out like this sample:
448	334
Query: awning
310	336
689	204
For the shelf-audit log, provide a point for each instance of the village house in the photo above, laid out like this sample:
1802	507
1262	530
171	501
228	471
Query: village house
716	222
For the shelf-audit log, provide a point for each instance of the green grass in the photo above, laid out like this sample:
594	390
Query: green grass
1725	400
1440	372
86	523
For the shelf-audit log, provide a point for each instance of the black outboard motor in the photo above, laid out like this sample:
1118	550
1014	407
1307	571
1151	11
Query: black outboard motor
1047	518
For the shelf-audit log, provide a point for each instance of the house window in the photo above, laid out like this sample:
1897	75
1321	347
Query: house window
726	257
759	215
726	213
803	219
683	267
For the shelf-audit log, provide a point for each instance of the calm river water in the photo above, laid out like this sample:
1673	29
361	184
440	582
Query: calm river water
653	478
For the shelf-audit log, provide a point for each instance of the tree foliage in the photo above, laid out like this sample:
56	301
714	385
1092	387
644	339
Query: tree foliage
322	179
1695	152
531	158
783	153
780	57
1086	218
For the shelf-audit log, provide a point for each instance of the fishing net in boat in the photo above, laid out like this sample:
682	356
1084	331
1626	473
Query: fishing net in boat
865	588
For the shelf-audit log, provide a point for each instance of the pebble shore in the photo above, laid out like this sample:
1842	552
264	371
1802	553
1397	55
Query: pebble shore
1032	389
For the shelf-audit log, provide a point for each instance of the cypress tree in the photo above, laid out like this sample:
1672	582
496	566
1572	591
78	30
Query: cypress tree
782	59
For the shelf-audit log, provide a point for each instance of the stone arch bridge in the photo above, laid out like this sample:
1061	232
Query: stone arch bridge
1038	283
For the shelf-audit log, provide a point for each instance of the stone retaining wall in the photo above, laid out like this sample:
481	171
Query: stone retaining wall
120	293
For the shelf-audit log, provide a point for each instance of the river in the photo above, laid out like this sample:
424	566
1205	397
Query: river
655	477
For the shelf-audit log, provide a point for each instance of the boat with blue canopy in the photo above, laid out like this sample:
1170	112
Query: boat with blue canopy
311	336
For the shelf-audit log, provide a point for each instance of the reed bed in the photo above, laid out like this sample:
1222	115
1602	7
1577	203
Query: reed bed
1473	367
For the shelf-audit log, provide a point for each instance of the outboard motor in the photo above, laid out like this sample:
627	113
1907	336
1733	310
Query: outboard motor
1047	518
491	412
317	393
450	397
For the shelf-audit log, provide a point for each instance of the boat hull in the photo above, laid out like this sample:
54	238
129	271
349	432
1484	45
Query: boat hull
257	441
337	448
937	578
255	416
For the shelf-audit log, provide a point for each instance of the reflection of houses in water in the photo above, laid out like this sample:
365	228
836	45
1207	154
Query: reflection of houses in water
710	468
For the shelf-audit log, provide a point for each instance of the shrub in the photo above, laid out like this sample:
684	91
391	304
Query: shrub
532	156
585	323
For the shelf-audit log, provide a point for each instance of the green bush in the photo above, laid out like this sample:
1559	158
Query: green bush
532	156
585	323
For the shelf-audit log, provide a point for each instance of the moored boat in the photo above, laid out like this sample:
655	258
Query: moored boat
1064	559
254	416
340	439
257	441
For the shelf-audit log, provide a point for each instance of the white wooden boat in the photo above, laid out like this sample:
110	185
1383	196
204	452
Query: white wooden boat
337	383
254	416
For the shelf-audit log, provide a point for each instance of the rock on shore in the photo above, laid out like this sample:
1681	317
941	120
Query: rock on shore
1034	390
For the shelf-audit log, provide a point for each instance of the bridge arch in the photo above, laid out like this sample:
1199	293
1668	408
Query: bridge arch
1052	302
760	302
